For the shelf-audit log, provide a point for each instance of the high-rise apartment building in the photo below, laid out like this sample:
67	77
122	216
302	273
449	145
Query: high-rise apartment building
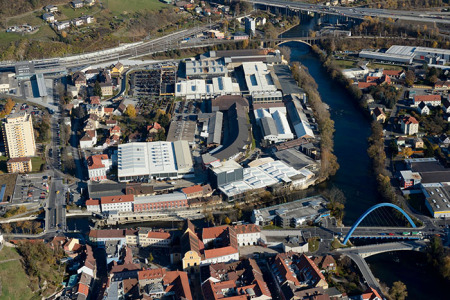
18	135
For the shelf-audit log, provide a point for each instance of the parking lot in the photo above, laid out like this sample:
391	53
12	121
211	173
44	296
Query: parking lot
31	188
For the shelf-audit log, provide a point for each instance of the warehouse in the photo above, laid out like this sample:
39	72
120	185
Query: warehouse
298	119
437	199
387	57
274	124
137	161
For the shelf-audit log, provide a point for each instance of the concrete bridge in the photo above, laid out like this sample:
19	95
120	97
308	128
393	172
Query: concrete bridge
369	250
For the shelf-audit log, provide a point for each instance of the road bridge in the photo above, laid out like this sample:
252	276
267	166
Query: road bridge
356	12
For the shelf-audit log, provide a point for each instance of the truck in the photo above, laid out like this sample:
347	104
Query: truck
406	233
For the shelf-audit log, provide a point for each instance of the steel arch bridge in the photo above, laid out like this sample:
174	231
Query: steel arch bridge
349	234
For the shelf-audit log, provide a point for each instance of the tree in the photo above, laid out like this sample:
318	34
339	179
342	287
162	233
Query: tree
97	89
227	220
410	77
398	291
130	111
407	152
150	257
27	226
7	228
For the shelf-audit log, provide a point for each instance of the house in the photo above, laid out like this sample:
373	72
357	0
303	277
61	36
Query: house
418	143
89	139
107	88
117	69
444	140
409	125
87	19
77	3
93	205
423	109
247	234
114	131
62	25
370	294
51	8
89	2
111	123
98	166
430	100
47	17
397	74
77	22
442	85
100	236
149	238
197	191
79	79
378	115
240	35
366	85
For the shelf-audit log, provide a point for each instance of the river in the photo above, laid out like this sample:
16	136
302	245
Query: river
356	180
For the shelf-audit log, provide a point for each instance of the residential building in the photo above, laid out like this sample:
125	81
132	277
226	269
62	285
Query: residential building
235	280
378	115
77	22
51	8
107	88
154	160
247	234
98	166
117	69
47	17
149	238
197	191
89	139
19	165
89	2
423	109
409	125
100	236
93	205
250	26
79	79
160	283
370	294
429	100
62	25
18	135
121	203
77	3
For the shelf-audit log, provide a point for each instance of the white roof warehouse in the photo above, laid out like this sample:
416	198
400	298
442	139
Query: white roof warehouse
154	160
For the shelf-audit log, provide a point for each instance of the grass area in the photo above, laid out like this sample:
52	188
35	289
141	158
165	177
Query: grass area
8	37
345	64
313	244
384	66
335	244
67	12
34	19
130	6
37	163
15	282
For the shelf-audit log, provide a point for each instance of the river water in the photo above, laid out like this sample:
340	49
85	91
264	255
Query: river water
355	177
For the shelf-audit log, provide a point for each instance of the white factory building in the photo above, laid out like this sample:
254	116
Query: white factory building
274	124
406	54
206	89
260	83
154	160
265	175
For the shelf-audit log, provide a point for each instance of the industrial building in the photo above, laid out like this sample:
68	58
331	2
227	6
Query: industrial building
207	68
292	214
265	175
406	54
437	199
197	89
157	202
286	82
259	83
221	173
182	130
298	119
154	160
274	124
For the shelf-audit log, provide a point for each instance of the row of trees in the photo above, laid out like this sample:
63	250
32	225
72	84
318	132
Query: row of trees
30	227
7	108
329	164
438	257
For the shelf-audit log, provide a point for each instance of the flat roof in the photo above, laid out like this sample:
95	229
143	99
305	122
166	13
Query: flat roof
294	158
437	196
298	208
258	77
140	158
287	83
176	196
41	85
181	131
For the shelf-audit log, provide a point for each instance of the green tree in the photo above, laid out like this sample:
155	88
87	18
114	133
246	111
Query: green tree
398	291
97	89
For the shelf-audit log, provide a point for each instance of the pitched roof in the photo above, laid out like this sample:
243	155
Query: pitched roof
378	112
410	120
158	235
427	98
246	228
393	72
364	85
107	233
178	283
125	268
219	252
117	199
371	294
95	161
192	189
151	274
92	202
213	232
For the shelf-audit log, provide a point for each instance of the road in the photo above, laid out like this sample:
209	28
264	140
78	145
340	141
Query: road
434	17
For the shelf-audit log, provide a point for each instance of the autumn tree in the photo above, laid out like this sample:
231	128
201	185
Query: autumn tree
410	77
6	227
227	220
130	111
398	291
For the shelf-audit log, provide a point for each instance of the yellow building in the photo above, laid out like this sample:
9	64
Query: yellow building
117	69
190	249
19	165
18	135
